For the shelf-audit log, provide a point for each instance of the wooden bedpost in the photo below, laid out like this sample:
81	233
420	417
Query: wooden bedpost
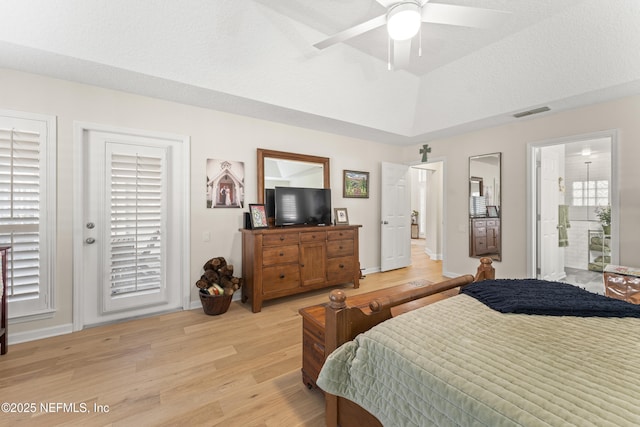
335	336
485	270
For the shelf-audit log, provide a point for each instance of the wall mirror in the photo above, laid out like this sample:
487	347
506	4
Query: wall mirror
485	228
282	169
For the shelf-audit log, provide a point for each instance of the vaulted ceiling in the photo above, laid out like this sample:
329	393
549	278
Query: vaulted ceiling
256	58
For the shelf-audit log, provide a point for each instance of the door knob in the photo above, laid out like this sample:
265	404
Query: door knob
385	222
90	240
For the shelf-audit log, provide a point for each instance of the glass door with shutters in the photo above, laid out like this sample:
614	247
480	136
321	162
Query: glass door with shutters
131	214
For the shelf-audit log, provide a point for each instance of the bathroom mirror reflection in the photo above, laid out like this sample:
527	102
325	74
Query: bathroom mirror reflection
485	206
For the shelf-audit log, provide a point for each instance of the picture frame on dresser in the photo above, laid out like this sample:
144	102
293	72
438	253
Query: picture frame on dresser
341	216
492	211
258	215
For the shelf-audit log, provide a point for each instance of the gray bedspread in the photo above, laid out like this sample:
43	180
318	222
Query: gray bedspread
459	363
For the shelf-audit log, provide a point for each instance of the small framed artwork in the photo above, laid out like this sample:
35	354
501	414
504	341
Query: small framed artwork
355	184
492	211
258	216
341	216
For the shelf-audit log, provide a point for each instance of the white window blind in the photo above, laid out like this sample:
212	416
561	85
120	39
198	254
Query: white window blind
136	230
23	211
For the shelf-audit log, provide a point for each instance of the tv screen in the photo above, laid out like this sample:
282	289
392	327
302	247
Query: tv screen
297	206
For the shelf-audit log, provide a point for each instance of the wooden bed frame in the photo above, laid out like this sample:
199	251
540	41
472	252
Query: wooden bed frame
343	323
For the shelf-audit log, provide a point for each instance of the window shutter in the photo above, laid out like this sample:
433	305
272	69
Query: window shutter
20	205
136	231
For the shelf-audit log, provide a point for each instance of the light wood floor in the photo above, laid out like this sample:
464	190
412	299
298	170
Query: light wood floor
183	368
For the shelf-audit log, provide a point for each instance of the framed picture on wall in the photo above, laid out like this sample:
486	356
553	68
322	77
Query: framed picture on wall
341	216
492	211
355	184
258	216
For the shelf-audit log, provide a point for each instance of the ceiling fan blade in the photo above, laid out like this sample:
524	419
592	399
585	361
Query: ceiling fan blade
438	13
352	32
387	3
401	54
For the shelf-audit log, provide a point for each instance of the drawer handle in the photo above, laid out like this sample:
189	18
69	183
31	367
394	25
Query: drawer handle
301	265
317	347
313	236
281	238
339	247
281	276
341	266
281	253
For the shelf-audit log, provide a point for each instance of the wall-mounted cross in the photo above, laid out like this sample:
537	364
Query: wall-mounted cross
424	151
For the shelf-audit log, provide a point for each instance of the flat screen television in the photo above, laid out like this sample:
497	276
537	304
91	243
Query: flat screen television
302	206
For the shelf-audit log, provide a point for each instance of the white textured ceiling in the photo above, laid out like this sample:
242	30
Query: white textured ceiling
256	58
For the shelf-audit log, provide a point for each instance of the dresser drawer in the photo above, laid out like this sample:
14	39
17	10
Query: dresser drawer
313	355
481	245
314	329
314	236
340	269
480	231
279	278
340	234
280	255
339	248
280	239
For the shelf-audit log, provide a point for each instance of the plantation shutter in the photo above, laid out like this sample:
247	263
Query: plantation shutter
137	201
20	210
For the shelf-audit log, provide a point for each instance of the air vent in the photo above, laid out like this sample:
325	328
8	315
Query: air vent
530	112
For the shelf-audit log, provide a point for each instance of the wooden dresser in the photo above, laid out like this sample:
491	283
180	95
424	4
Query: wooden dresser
313	324
485	236
278	262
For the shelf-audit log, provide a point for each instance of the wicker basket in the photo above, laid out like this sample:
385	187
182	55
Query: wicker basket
215	304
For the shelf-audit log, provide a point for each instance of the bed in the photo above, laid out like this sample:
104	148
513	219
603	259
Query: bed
459	362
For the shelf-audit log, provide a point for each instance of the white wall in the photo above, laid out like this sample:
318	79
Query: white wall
213	135
512	140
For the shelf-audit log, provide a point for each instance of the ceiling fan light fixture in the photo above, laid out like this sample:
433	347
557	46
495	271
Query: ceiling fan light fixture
404	20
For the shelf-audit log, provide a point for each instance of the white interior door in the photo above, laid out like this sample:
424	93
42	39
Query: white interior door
395	208
131	224
551	257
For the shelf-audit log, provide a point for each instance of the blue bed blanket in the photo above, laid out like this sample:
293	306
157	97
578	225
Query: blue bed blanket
533	296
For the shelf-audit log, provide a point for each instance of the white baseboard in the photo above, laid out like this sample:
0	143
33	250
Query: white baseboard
371	270
18	337
432	255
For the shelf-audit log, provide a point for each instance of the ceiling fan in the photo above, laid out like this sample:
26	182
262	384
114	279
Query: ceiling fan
404	19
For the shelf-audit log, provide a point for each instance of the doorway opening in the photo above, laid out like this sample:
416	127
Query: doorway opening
427	218
574	204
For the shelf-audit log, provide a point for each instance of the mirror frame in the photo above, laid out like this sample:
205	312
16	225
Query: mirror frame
283	155
474	178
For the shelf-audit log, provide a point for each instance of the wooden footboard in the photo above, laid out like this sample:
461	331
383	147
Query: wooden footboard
343	323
